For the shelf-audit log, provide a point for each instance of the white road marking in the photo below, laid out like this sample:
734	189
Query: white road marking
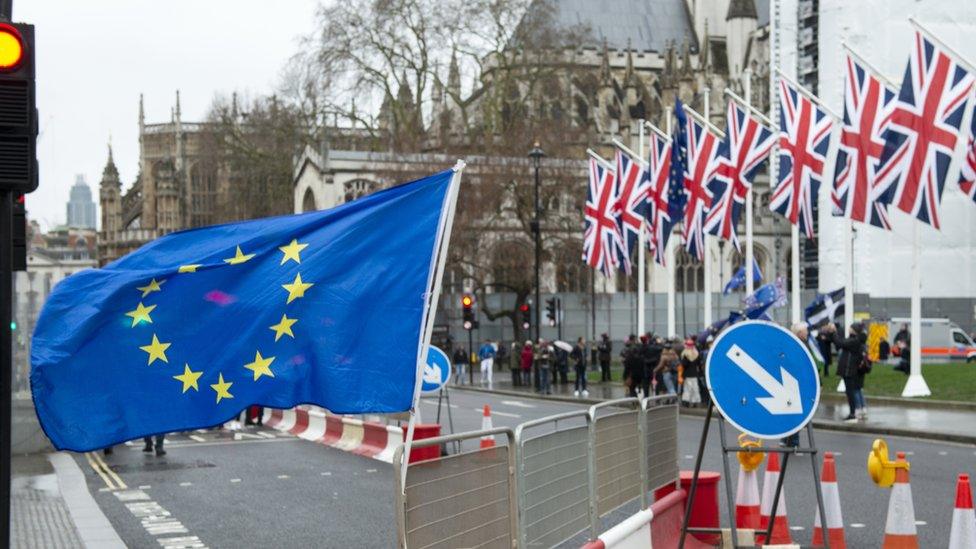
370	470
434	403
909	453
496	413
921	523
200	431
184	542
326	474
689	456
517	404
857	525
266	434
838	453
943	453
186	484
795	528
226	442
158	521
198	438
235	480
283	476
145	487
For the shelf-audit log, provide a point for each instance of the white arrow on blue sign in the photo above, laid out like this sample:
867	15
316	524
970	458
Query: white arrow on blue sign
436	372
763	379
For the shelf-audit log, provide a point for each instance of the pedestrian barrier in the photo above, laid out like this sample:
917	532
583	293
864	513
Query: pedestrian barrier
963	532
364	438
633	533
616	457
462	500
554	478
660	441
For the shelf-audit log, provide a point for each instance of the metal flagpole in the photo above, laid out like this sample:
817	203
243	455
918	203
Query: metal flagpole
750	252
641	244
706	241
916	386
849	282
669	260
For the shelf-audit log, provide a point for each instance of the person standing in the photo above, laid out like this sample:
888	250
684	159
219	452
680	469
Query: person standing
633	365
668	368
651	351
515	364
544	362
579	366
824	342
460	360
487	356
904	355
849	367
527	357
603	350
692	368
148	448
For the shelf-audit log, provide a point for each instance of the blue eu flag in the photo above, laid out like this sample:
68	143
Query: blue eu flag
322	308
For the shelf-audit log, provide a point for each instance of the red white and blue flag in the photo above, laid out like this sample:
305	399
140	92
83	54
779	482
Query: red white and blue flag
867	102
602	241
746	145
632	206
703	159
804	137
659	168
923	129
967	177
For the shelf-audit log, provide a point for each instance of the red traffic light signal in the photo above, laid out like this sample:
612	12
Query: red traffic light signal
11	47
524	308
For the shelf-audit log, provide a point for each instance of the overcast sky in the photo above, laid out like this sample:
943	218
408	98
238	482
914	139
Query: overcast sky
94	58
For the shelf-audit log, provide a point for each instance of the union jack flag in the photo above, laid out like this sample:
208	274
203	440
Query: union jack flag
967	177
602	241
867	101
659	167
703	158
746	145
922	131
631	206
804	137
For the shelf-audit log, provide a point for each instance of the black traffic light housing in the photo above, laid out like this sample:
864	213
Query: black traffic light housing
19	233
526	311
18	110
467	308
551	311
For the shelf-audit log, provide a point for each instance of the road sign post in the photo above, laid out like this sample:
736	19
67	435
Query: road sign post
762	380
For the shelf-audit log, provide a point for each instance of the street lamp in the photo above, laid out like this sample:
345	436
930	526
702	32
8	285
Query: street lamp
536	155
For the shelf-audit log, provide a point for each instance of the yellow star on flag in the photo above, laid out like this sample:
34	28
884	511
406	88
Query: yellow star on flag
222	387
189	268
238	258
261	366
140	314
292	251
189	378
297	288
156	350
284	327
153	286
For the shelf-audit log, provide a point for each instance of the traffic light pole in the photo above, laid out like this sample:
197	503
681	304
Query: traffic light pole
6	357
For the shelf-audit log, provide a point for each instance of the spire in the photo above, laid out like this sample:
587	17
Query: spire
686	58
142	113
177	114
438	92
605	64
703	60
741	9
110	175
454	76
629	71
233	106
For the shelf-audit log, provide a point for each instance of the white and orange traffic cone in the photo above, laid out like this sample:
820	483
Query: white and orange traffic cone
781	530
963	532
831	496
747	500
487	441
900	532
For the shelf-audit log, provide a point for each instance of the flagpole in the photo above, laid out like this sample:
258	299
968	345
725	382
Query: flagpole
916	386
750	252
434	284
641	244
849	282
706	253
669	260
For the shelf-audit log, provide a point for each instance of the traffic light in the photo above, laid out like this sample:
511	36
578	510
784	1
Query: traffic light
467	304
526	316
551	311
18	112
19	249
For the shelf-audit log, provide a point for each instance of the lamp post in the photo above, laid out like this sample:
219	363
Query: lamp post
536	155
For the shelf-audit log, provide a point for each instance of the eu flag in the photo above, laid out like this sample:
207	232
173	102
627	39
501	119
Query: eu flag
322	308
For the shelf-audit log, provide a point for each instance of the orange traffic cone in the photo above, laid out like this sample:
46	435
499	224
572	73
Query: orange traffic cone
487	441
781	531
963	533
831	496
900	532
747	500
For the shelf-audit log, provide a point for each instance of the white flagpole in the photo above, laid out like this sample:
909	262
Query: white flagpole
849	282
750	253
669	259
916	386
706	253
641	244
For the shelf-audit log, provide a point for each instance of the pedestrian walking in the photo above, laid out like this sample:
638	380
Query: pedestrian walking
148	448
487	356
668	368
544	363
527	358
579	366
460	361
851	367
603	350
691	370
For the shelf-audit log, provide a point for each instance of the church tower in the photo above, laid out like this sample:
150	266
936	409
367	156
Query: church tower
110	197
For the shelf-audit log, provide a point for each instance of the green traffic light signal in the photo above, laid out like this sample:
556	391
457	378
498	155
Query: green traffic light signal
13	325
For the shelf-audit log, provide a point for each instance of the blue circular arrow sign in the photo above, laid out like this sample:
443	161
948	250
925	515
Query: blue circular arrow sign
763	379
436	372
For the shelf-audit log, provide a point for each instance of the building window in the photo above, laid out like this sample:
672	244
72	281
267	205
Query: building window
689	273
358	188
570	269
308	201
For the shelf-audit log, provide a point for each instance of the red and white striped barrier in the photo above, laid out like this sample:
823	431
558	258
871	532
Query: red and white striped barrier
659	526
365	438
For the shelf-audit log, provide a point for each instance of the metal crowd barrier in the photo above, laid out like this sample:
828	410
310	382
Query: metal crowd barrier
556	477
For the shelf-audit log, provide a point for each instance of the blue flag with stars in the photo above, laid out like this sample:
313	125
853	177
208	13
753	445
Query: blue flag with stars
321	308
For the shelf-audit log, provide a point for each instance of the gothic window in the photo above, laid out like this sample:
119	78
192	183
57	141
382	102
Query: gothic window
689	273
582	111
570	269
512	264
358	188
308	201
203	194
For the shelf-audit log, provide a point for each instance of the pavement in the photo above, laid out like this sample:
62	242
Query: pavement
260	487
886	416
